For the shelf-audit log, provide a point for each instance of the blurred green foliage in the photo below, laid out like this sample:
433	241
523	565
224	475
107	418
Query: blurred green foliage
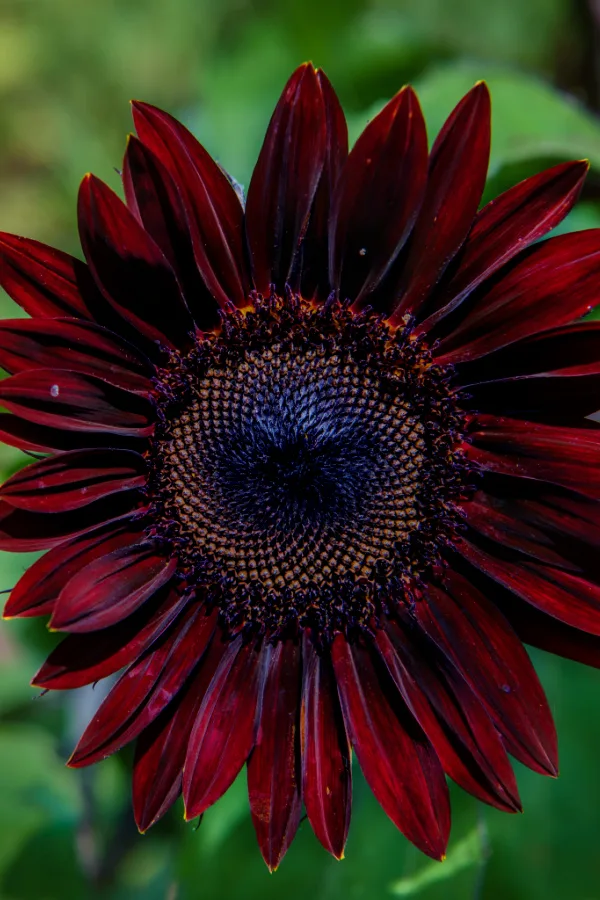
67	71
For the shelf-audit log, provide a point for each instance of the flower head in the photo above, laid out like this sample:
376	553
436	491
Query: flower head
313	467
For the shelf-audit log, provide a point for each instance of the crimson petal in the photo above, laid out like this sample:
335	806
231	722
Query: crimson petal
315	246
74	479
21	530
86	658
507	225
129	268
565	456
285	180
455	182
225	728
564	595
153	197
75	345
111	588
378	197
552	284
38	588
75	401
326	764
146	688
273	766
467	744
397	760
46	282
476	637
214	212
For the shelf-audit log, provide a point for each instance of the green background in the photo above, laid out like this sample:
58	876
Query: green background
67	71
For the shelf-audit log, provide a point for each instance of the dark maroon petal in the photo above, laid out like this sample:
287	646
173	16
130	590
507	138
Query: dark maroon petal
146	688
552	284
74	479
111	588
565	456
160	755
153	197
570	351
499	523
326	764
75	345
507	225
46	282
552	400
561	513
21	530
85	658
397	760
129	268
274	764
38	589
455	181
540	630
225	728
564	595
378	197
75	401
214	212
315	246
28	436
473	633
462	734
285	179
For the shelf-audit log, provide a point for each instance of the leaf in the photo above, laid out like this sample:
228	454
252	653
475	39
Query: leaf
467	852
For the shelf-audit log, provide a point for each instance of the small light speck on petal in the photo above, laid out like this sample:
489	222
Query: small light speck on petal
54	390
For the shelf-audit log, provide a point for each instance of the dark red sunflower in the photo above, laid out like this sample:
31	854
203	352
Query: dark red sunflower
312	467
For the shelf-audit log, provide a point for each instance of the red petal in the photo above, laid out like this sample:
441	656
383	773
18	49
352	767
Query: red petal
224	731
77	402
109	589
46	282
568	351
273	766
480	642
553	283
146	688
501	523
466	742
21	530
507	225
455	182
160	755
85	658
285	179
74	479
75	345
565	456
378	197
564	595
214	212
540	630
315	246
397	760
131	271
153	197
37	590
326	764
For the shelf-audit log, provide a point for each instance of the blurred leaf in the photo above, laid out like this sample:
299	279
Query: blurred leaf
467	852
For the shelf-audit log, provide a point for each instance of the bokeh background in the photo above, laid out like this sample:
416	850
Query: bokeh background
67	71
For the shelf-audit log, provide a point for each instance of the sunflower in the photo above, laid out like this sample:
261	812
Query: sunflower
311	466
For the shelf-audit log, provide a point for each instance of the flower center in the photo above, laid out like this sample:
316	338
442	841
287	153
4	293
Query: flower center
298	463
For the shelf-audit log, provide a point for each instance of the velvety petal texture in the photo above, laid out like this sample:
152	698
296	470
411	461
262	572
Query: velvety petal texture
307	470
